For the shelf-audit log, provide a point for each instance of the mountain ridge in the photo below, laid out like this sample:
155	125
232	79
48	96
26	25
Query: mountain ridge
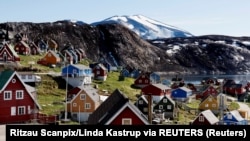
194	55
145	27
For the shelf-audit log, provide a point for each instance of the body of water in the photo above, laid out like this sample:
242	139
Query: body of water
196	79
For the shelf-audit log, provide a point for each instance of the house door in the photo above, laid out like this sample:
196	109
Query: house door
5	58
13	111
34	51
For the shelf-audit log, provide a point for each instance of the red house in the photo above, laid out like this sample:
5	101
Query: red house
157	90
142	81
7	53
18	102
117	110
22	48
207	90
232	88
34	49
100	72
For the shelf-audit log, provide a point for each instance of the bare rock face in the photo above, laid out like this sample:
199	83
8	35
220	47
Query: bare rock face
122	47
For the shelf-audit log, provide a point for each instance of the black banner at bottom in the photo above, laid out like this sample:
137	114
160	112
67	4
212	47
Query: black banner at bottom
71	132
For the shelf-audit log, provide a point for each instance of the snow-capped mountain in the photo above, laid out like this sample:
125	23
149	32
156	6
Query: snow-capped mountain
147	28
72	21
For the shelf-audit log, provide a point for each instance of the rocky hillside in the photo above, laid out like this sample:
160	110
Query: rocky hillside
121	46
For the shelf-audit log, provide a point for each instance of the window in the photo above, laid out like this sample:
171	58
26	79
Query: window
29	109
126	121
145	109
160	106
13	80
140	81
29	76
206	105
19	94
7	95
146	81
213	105
21	110
165	100
98	72
169	107
87	106
82	96
201	118
209	99
140	101
23	76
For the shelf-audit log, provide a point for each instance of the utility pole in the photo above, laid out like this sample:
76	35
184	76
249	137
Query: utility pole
66	93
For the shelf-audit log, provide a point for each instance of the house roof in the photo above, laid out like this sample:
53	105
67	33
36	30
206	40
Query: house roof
185	89
80	66
209	115
11	49
236	115
169	98
135	110
143	97
101	66
6	76
206	97
161	86
108	108
24	44
53	53
92	92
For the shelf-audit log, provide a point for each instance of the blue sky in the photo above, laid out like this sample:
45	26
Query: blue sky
199	17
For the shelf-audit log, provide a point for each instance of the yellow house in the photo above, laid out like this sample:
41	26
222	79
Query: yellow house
209	103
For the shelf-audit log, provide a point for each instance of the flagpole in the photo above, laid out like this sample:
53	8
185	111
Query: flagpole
66	93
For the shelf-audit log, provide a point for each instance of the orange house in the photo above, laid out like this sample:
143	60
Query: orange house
50	58
82	101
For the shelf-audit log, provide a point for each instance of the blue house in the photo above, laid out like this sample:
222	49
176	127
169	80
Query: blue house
154	77
76	70
135	73
124	72
234	118
166	82
43	46
78	74
181	93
